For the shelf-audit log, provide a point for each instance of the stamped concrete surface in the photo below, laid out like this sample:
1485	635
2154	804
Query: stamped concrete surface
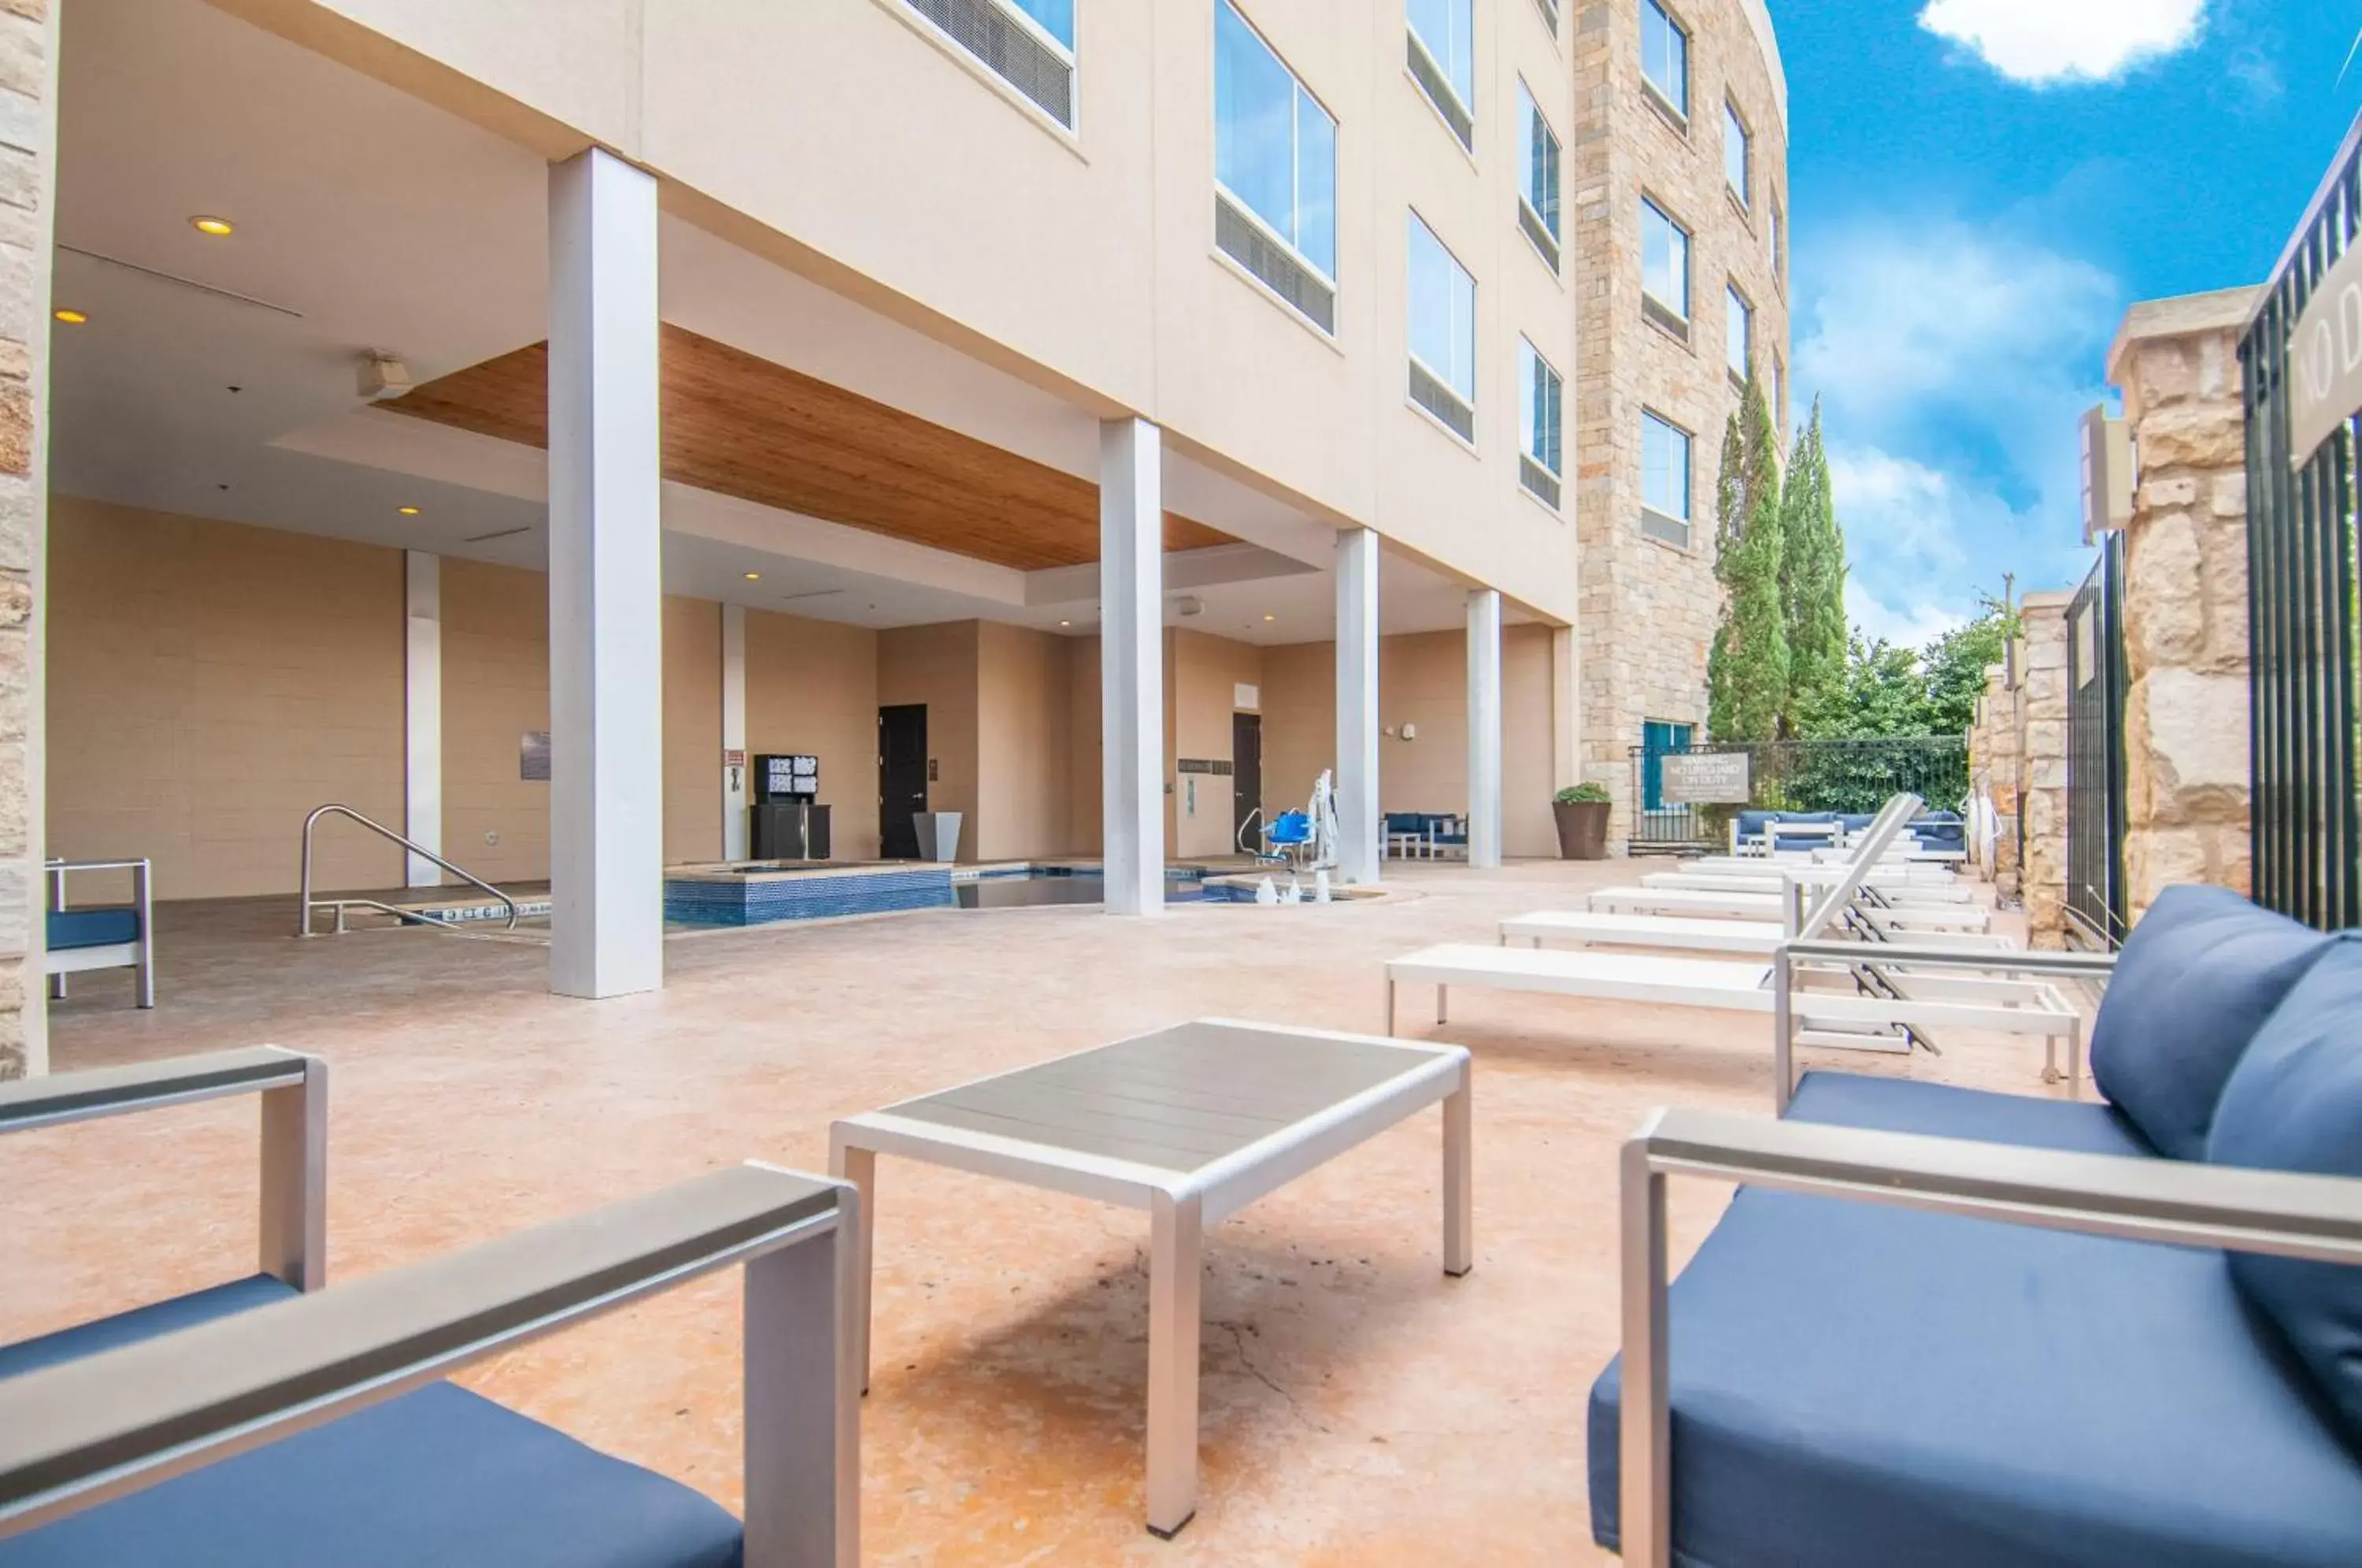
1359	1407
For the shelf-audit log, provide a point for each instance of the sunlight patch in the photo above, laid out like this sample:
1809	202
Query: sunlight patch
2044	42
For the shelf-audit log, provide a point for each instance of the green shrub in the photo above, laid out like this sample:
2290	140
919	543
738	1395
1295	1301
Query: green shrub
1583	794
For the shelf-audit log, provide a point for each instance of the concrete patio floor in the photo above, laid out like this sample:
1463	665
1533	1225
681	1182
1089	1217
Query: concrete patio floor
1359	1407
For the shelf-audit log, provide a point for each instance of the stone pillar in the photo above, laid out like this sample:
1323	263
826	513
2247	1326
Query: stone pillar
1131	665
1358	850
606	582
1993	775
2186	764
28	185
2042	746
733	733
421	714
1484	727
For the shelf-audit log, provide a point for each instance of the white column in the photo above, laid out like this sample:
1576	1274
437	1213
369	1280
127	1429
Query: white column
1357	705
1131	663
606	582
734	732
1484	727
422	713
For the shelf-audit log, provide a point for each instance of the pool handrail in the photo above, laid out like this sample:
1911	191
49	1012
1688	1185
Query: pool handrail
303	917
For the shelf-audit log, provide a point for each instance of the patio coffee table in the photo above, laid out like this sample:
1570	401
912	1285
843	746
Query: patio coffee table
1191	1123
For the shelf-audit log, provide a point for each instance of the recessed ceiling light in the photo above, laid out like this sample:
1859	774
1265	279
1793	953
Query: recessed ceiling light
407	510
70	318
754	577
1271	617
1065	623
219	227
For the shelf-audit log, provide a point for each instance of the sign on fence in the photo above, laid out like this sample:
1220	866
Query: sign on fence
2325	354
1707	778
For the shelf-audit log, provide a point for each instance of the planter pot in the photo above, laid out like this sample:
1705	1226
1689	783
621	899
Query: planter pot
938	834
1582	829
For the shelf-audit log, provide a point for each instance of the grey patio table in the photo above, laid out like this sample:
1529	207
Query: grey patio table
1191	1123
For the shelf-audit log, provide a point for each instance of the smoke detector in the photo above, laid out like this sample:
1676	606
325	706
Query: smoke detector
1188	604
382	376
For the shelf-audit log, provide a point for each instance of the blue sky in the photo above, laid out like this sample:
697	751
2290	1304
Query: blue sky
1979	189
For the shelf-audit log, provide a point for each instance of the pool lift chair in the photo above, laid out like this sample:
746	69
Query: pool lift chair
1304	841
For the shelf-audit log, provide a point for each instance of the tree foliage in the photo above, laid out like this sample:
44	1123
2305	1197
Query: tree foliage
1747	673
1812	580
1891	691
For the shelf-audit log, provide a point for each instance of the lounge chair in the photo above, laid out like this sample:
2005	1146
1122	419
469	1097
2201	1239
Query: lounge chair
101	936
1942	1325
318	1429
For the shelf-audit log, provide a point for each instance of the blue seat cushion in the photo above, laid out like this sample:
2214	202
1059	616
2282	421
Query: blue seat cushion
142	1322
99	926
1856	1385
1944	1110
2294	1103
1753	824
438	1476
2196	979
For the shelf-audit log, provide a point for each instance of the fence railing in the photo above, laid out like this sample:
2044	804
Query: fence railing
1851	776
2303	656
2095	750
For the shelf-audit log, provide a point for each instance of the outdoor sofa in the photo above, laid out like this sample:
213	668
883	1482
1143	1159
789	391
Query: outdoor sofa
101	936
273	1421
1941	1325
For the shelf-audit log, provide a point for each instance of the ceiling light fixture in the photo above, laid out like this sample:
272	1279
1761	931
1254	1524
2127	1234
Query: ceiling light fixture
218	228
70	318
1271	617
407	510
1065	623
754	577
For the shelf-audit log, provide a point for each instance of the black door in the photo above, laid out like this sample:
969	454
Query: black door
1246	779
902	777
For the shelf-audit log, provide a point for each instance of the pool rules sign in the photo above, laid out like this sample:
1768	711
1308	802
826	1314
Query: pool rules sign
2325	360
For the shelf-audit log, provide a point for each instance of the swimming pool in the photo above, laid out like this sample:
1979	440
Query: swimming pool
1019	886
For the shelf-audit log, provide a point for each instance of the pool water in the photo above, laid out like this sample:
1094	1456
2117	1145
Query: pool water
1059	885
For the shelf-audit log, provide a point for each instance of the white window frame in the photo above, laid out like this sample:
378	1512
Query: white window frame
1735	132
1410	297
1776	241
1528	355
1686	517
1680	312
1016	94
1443	76
1295	155
1742	310
1679	110
1529	106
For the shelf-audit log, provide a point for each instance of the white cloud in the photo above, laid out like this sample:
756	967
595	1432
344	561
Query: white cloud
2046	43
1923	545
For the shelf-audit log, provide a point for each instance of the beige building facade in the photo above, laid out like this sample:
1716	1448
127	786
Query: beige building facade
425	376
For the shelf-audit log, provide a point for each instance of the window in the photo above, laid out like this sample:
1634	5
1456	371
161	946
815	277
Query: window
1029	44
1443	333
1737	151
1665	266
1550	14
1774	251
1538	195
1539	450
1275	171
1778	394
1444	60
1739	333
1665	57
1664	480
1659	740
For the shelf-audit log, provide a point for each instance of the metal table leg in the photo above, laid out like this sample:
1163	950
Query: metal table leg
1175	1233
859	1167
1458	1165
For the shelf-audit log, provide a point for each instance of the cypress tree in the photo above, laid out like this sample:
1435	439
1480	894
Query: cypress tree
1747	674
1812	582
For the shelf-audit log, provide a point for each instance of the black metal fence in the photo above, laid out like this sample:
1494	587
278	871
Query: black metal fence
2302	668
1855	776
2095	749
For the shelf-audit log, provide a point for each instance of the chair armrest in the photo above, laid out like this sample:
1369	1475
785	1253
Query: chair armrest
2019	961
76	1434
113	1091
2171	1201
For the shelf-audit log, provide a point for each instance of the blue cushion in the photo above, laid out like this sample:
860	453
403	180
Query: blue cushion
99	926
2294	1103
1942	1111
1858	1387
142	1322
1856	822
1753	824
2196	979
1406	822
439	1476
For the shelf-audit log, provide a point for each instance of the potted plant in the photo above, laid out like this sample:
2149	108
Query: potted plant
1581	812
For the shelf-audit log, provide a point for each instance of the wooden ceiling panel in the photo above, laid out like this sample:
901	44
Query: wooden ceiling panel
742	425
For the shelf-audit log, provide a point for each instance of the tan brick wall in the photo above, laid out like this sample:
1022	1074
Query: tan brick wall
2042	751
27	179
1648	608
2186	721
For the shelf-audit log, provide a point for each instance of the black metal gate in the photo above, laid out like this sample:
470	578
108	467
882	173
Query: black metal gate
1848	776
2302	664
2095	750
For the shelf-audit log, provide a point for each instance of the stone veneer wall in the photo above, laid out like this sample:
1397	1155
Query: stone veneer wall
1647	609
1994	773
27	179
2042	765
2186	764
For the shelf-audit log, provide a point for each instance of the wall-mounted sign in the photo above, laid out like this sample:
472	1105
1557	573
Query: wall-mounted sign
533	756
2325	360
1707	778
